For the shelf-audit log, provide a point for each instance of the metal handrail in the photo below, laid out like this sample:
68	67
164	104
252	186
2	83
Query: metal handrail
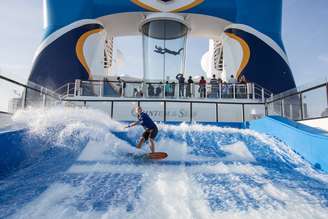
293	92
298	90
42	91
32	86
256	92
293	99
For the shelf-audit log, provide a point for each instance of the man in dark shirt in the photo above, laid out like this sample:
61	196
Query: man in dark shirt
181	80
214	86
149	126
189	87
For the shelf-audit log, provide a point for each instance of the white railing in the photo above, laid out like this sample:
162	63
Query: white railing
168	90
18	95
185	102
302	103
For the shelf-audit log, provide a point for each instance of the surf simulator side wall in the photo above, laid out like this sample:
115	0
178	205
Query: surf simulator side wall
310	143
74	38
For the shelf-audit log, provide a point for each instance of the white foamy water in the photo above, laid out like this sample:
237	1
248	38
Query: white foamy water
167	189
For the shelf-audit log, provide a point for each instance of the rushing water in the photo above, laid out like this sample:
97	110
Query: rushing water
79	167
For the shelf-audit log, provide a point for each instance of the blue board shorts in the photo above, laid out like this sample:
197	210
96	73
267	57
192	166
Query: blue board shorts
150	133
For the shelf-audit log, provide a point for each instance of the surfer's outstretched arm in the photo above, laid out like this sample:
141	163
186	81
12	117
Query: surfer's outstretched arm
132	124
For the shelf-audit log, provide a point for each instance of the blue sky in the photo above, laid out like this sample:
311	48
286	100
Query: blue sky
305	34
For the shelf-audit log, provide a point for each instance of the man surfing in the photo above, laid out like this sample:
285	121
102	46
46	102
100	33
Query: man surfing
149	126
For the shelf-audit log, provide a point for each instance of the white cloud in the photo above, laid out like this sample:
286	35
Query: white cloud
323	58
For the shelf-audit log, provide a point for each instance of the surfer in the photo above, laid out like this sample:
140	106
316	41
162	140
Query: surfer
149	126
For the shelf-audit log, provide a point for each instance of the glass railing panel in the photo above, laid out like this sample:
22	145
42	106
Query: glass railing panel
177	112
11	96
105	107
91	89
275	108
199	91
69	89
292	107
254	111
132	90
73	104
34	98
154	90
230	113
241	91
315	103
112	89
227	91
213	91
154	109
124	111
191	90
51	101
171	90
204	112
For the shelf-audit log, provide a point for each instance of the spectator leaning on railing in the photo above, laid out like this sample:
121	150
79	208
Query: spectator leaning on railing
232	80
181	80
167	88
172	89
122	86
214	87
151	90
202	87
158	89
189	86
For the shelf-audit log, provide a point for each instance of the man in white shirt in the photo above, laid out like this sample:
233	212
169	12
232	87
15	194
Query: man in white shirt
232	80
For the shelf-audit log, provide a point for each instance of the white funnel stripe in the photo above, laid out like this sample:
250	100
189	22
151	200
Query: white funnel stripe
262	37
60	32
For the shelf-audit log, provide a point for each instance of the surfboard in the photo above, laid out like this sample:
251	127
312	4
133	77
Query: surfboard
148	156
157	155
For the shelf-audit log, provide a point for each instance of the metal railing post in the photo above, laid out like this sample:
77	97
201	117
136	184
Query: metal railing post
121	89
112	110
101	88
220	90
67	92
234	90
164	111
79	87
75	88
24	99
217	111
43	97
164	92
190	111
253	88
301	105
247	91
206	90
145	90
262	94
243	108
282	108
327	91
